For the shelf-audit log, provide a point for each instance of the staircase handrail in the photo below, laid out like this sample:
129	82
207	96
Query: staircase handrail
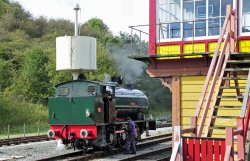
246	105
245	99
215	66
212	66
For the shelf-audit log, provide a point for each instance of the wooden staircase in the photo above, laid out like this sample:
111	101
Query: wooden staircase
233	81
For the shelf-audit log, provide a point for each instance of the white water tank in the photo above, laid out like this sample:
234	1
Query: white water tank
76	53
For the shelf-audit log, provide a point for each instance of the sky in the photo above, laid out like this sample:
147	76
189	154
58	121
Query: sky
118	15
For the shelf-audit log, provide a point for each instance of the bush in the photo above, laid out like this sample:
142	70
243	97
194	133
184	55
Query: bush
16	112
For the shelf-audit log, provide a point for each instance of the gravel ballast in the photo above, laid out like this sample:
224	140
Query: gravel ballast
39	150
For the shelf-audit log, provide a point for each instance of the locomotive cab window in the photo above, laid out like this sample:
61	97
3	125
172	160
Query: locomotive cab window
77	89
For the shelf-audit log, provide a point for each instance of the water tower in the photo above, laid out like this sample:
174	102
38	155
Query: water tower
76	53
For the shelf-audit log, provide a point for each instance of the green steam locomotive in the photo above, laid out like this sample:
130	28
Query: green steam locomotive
88	114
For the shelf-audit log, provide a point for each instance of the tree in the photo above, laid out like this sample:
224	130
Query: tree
36	28
6	73
32	83
55	77
96	25
97	28
12	45
15	17
60	26
4	5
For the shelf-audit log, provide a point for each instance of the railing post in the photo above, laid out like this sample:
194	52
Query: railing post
8	132
24	130
38	128
177	149
240	139
247	116
194	125
229	154
230	28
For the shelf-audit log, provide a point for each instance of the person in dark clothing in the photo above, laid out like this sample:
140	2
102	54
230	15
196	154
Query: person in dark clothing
130	142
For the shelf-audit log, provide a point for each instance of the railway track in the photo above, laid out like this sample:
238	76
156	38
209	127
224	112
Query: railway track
78	155
161	154
21	140
164	125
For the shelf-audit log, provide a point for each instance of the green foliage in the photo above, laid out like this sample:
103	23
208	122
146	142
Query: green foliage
105	64
4	5
16	112
96	25
97	28
55	77
32	81
60	26
6	73
36	28
15	18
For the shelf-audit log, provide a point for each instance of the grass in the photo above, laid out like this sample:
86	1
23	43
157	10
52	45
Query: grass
18	131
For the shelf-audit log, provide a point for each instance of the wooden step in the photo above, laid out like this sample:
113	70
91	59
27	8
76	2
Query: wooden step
217	127
232	87
241	55
224	117
243	61
228	97
227	106
234	78
220	127
236	69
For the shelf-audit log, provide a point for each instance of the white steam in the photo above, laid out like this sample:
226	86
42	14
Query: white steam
130	69
60	146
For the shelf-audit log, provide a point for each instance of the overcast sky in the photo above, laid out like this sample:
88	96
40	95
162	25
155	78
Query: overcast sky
117	14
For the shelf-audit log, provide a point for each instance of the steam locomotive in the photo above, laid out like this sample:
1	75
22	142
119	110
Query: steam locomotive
88	114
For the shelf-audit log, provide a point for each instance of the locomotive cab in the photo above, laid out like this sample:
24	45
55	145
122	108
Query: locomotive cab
108	97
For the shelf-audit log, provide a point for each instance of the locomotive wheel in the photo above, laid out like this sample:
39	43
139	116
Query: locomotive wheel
122	136
78	144
110	137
